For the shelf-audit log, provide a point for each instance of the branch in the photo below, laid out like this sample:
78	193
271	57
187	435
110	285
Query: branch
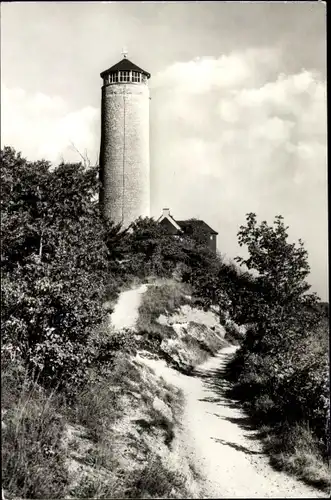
86	160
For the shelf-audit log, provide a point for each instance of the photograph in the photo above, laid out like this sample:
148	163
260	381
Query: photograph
164	250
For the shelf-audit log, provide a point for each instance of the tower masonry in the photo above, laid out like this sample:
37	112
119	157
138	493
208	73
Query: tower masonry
124	152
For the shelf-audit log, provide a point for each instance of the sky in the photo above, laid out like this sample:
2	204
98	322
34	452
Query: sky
238	108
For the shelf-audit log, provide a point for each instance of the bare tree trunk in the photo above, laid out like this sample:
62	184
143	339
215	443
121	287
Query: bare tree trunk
41	246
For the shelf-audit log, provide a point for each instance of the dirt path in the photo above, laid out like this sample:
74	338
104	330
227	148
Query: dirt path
126	309
220	440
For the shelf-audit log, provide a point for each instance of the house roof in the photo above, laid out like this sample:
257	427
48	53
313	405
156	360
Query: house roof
171	220
125	65
195	224
186	225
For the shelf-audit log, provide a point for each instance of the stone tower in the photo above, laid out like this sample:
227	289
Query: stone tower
124	152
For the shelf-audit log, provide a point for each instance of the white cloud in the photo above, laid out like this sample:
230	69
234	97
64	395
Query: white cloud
237	136
42	126
204	74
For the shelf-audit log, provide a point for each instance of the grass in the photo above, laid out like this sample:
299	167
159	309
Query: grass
98	487
294	449
158	421
153	480
95	408
164	297
107	408
156	480
33	458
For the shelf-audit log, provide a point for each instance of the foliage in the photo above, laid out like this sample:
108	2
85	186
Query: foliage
197	232
302	455
281	369
56	256
60	259
148	250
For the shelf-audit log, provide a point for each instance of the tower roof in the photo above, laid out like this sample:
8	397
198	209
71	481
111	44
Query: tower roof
125	65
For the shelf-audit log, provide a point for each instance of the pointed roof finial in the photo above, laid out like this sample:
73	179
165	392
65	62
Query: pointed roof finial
125	53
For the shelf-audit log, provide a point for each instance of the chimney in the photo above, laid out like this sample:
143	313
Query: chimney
166	212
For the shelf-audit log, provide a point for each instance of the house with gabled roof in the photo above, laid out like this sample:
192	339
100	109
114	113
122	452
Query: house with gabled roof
188	227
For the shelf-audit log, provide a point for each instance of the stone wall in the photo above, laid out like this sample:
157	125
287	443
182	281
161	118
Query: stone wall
124	154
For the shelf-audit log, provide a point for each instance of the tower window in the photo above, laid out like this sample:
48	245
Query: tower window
113	77
124	76
136	76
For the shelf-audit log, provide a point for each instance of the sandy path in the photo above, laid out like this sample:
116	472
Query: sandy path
125	313
218	436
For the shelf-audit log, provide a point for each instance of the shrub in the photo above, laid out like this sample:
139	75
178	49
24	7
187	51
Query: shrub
56	253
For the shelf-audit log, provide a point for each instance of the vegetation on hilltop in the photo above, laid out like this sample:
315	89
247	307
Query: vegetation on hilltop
60	261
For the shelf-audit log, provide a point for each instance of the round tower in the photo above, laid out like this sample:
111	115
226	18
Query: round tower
124	152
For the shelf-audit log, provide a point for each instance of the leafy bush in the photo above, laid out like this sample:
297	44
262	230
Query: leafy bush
148	250
281	369
55	257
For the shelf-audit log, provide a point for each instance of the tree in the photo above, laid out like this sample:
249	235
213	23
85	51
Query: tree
277	262
149	250
57	255
282	365
281	269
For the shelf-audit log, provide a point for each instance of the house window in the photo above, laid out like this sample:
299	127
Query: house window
124	76
136	76
211	236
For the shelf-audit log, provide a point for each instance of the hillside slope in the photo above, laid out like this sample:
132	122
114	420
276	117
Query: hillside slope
157	423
